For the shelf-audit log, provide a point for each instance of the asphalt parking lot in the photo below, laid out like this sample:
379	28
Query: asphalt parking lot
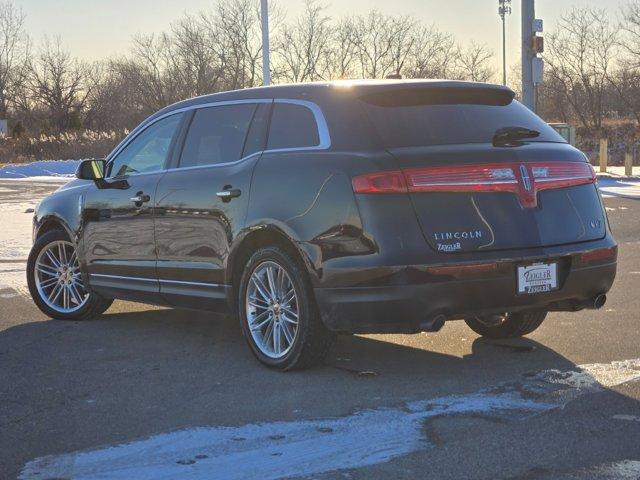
146	392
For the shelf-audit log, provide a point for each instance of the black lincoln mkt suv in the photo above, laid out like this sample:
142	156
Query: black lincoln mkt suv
316	209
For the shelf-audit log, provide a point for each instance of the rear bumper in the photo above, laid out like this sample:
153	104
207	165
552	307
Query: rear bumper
408	308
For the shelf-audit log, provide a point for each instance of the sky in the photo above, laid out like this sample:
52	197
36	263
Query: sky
95	29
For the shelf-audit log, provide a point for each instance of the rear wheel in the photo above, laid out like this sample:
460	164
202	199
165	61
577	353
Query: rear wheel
508	325
55	281
278	314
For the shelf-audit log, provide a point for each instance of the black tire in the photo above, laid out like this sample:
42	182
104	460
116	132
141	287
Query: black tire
95	304
511	325
312	341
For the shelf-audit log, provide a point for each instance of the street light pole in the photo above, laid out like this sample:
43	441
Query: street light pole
528	87
504	9
264	14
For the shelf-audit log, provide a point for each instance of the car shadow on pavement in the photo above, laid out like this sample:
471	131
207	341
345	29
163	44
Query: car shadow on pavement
68	386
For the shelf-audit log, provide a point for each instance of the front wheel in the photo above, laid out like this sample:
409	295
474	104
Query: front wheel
55	282
508	325
278	314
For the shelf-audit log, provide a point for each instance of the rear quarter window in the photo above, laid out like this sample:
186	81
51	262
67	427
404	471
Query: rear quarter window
292	126
412	119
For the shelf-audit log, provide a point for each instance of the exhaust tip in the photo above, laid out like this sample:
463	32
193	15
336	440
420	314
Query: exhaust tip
599	301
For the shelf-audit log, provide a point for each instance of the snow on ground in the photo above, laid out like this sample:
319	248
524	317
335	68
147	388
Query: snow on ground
615	187
42	168
15	242
15	234
619	172
309	447
17	202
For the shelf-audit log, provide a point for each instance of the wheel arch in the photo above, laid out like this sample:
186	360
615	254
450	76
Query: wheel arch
254	239
49	223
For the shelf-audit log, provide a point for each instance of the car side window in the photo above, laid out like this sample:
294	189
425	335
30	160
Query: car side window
292	126
217	134
148	151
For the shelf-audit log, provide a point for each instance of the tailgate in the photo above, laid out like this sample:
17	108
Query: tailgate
503	199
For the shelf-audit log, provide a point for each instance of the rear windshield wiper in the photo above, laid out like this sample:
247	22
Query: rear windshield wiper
507	135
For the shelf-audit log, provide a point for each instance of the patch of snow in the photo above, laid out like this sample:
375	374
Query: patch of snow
618	172
625	470
16	219
14	277
39	169
15	235
612	187
296	449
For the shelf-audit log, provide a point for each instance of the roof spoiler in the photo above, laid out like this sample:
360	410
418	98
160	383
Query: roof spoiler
440	94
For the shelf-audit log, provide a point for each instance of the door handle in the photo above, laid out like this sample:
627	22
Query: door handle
140	198
229	194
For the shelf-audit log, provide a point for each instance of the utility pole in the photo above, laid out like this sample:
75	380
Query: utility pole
528	54
503	10
264	14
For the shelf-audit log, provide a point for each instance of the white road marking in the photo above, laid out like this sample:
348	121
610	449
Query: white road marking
284	449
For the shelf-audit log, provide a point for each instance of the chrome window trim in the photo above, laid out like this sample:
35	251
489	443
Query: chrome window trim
214	165
321	125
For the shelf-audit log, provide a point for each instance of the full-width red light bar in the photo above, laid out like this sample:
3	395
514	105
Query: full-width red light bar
523	179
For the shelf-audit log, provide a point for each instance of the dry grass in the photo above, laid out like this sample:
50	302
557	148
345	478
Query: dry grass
63	146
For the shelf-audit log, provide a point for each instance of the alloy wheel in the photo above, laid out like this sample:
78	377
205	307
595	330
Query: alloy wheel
58	279
271	306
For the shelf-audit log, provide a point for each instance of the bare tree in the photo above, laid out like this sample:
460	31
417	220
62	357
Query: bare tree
344	53
14	52
57	83
196	57
236	26
625	80
580	58
382	43
630	27
473	63
304	49
433	54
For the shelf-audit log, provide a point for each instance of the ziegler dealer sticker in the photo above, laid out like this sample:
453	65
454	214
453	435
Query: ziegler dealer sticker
537	278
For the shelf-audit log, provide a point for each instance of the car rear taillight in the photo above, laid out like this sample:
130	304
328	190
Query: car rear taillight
383	182
549	175
522	179
599	255
462	178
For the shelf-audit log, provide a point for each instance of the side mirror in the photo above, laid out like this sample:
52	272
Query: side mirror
91	170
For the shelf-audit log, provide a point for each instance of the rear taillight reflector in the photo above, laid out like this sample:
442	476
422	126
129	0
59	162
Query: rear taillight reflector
522	179
599	255
463	270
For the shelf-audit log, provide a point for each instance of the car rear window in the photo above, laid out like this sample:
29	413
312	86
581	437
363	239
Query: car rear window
423	117
292	126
